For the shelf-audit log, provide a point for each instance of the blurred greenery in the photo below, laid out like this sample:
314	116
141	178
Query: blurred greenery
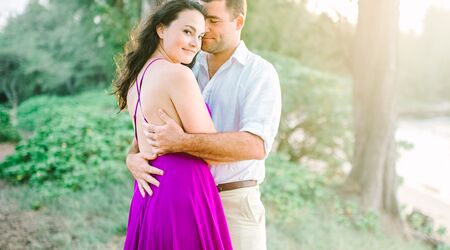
56	65
287	28
316	115
8	132
57	53
74	142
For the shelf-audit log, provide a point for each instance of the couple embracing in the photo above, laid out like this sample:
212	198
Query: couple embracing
202	129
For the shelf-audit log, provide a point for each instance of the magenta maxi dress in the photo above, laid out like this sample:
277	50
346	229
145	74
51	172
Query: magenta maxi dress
185	212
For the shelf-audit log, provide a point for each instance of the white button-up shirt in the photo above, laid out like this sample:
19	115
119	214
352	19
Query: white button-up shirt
243	95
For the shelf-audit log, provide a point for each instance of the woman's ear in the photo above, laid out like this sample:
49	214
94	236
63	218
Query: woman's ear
160	30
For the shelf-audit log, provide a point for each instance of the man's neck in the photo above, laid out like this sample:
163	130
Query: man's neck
215	61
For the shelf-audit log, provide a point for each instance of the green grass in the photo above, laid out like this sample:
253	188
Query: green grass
96	219
317	229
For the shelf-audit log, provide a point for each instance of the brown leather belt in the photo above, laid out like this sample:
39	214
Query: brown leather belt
235	185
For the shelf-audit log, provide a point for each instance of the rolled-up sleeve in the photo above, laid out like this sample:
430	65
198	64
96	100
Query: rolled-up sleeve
260	107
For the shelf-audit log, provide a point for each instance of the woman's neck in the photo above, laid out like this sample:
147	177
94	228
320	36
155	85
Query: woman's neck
160	53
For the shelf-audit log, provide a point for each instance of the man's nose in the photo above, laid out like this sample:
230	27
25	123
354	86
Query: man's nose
207	27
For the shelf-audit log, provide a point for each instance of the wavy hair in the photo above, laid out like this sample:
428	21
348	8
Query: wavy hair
143	43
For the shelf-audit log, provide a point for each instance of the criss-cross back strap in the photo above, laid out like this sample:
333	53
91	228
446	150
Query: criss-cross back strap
138	88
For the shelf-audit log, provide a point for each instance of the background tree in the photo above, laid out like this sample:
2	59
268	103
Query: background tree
147	6
424	75
69	46
315	40
374	70
10	68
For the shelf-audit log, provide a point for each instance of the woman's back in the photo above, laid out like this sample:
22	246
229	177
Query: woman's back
185	211
153	96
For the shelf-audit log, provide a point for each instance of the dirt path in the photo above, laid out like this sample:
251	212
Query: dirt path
6	149
19	229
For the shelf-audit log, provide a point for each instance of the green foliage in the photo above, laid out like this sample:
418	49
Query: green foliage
316	114
443	247
8	132
349	212
288	28
424	225
289	187
420	222
76	52
40	110
76	141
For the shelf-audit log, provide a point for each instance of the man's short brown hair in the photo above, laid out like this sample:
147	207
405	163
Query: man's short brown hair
235	7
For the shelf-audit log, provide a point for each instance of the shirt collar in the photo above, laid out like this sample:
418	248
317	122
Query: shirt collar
241	53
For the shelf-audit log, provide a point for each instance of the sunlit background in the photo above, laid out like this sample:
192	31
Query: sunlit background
310	44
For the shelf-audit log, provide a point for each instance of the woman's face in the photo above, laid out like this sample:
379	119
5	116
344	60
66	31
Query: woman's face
182	39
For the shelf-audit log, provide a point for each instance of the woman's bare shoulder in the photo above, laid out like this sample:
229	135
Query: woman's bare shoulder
177	71
175	75
164	72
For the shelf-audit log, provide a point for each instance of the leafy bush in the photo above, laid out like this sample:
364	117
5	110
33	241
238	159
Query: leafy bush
289	186
316	114
292	189
8	132
40	110
76	52
348	212
76	142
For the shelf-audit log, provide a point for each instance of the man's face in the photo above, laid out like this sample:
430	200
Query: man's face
221	30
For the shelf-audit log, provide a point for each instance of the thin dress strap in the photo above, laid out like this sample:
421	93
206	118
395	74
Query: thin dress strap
138	88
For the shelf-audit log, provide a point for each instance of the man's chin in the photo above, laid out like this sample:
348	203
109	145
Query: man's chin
207	48
208	45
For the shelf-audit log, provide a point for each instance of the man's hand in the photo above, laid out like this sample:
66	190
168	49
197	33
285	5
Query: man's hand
165	138
142	172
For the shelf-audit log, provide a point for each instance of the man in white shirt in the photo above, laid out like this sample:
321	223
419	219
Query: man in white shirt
243	92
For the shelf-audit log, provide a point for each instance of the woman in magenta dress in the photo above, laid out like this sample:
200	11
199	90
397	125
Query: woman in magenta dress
184	211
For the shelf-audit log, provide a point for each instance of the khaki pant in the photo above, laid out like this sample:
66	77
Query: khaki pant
246	218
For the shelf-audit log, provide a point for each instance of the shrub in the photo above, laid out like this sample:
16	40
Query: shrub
75	142
316	115
289	186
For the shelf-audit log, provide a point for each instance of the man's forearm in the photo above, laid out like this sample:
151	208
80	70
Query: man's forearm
224	147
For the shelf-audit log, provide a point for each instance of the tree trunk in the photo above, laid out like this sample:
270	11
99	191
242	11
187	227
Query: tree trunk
119	4
374	67
10	90
148	6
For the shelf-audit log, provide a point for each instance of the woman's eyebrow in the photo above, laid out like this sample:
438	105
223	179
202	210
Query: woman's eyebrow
192	27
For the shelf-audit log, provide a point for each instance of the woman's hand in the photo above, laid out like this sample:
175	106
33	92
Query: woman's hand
143	172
